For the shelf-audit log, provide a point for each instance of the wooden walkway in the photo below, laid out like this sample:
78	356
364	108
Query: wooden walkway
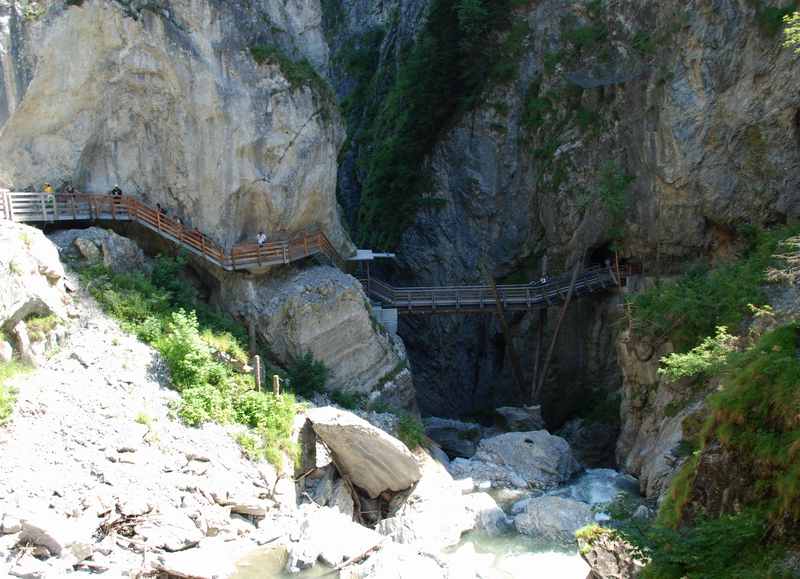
481	298
43	208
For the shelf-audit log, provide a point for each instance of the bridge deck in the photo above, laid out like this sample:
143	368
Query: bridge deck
44	208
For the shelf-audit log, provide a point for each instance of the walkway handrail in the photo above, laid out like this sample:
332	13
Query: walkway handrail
44	207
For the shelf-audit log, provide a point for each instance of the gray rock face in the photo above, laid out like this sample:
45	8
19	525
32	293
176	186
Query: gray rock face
488	516
696	142
371	459
592	443
119	254
32	280
553	518
456	438
434	514
521	459
229	145
323	311
520	418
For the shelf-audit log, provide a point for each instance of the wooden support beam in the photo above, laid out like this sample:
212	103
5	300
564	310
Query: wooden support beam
516	367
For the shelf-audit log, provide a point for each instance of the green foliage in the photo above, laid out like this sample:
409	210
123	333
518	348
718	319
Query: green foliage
702	299
40	326
307	375
411	431
613	189
163	310
729	546
31	10
708	358
466	45
299	73
770	19
792	31
144	419
349	400
8	394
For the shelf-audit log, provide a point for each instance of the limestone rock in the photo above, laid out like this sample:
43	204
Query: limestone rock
434	514
520	418
31	275
171	530
341	499
6	352
88	249
522	459
367	456
323	311
281	138
64	538
609	555
488	516
211	559
395	561
457	439
553	518
328	535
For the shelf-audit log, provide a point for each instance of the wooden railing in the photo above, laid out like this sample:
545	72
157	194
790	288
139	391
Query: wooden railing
480	298
41	207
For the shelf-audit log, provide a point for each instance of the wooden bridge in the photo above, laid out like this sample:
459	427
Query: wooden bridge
52	208
44	208
483	298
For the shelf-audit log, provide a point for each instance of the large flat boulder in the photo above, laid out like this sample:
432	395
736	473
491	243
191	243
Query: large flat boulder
369	457
520	418
520	459
553	518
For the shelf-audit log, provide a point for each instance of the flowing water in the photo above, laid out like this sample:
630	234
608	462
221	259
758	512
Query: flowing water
509	556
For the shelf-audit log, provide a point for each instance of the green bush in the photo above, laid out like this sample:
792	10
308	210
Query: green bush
40	326
163	310
693	307
349	400
299	73
8	395
708	358
411	431
307	376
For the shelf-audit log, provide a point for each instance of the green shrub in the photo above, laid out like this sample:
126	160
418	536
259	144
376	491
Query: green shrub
144	419
349	400
693	307
8	395
307	376
299	73
411	431
163	310
708	358
39	327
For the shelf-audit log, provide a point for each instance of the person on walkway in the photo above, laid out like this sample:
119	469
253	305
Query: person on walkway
161	210
116	191
68	188
261	239
48	188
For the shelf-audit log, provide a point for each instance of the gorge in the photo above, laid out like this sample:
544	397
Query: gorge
481	143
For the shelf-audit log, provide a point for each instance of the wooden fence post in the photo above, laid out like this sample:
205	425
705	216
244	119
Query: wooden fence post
276	385
257	371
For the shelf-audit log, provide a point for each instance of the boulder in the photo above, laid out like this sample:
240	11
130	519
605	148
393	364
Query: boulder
519	418
171	530
433	515
324	311
592	443
367	456
395	561
32	279
553	518
211	559
95	244
65	538
329	536
88	249
457	439
536	460
487	516
341	499
6	352
608	554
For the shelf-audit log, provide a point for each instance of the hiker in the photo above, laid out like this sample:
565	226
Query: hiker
161	210
48	188
116	191
261	239
68	188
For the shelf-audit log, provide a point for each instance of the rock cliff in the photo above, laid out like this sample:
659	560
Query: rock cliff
209	108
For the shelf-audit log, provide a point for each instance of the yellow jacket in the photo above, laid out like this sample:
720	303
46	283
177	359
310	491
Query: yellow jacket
48	189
